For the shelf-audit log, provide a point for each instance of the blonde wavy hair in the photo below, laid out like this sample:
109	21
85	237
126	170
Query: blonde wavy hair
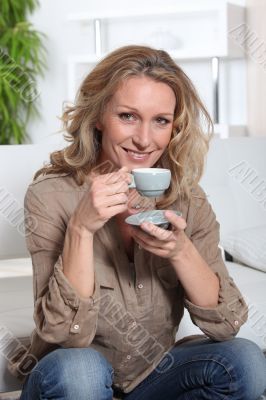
192	127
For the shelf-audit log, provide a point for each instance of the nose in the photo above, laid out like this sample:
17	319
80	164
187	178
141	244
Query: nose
142	137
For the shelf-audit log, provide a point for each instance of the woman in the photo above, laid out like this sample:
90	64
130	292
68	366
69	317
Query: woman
108	296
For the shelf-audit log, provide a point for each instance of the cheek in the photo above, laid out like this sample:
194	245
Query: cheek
116	133
164	139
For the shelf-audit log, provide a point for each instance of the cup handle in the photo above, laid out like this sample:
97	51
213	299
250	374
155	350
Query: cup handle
132	185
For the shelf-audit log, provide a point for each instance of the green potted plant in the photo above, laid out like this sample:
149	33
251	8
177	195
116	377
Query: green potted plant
22	60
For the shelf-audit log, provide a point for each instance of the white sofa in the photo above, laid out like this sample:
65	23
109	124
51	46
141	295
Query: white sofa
234	204
18	163
235	168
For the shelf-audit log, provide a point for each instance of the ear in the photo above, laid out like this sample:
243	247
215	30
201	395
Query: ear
99	126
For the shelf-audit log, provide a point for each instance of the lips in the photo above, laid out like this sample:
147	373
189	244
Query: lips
135	155
136	152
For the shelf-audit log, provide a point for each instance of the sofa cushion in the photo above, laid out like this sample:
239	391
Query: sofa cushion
15	267
18	164
248	246
16	311
234	180
16	305
252	285
16	296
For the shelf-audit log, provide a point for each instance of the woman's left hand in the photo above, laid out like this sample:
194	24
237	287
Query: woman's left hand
161	242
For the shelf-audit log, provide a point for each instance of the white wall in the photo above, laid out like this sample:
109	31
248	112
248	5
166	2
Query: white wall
64	38
256	54
239	2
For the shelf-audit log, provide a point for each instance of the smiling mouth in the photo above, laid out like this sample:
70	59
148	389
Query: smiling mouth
138	153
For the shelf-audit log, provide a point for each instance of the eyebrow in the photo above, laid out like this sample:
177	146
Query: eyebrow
135	109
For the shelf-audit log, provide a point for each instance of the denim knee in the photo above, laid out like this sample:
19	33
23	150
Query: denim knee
71	373
248	368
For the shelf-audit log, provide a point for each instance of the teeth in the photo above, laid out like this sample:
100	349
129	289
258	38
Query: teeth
134	152
138	155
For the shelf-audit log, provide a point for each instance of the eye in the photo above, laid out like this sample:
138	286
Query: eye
127	117
162	121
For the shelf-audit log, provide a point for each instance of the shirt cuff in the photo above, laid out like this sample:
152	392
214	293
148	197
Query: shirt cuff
68	293
231	306
209	314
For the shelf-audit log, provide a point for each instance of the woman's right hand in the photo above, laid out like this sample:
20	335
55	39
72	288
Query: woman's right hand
106	197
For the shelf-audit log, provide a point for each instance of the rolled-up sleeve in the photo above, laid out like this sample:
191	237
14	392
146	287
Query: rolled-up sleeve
61	316
224	321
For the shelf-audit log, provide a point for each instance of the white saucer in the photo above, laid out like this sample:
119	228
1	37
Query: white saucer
155	216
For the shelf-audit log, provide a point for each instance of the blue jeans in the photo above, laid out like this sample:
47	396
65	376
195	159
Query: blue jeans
203	369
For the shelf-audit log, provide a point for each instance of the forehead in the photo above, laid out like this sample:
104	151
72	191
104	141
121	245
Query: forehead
142	89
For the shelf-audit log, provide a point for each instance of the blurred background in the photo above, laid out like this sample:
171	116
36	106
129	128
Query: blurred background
215	42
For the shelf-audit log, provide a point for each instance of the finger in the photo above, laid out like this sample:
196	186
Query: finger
152	240
159	251
114	210
110	201
125	172
121	175
124	169
157	232
104	189
114	177
177	221
115	188
134	199
128	175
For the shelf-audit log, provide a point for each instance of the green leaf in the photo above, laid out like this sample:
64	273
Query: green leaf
23	60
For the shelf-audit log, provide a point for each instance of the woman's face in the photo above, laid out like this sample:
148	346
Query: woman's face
137	123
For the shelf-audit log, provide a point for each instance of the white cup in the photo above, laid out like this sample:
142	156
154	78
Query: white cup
150	182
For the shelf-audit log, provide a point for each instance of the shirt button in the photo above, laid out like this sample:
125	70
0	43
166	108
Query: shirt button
76	327
236	323
134	323
128	357
140	286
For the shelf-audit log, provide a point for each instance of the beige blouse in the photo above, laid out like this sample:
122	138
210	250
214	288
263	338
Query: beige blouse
133	316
